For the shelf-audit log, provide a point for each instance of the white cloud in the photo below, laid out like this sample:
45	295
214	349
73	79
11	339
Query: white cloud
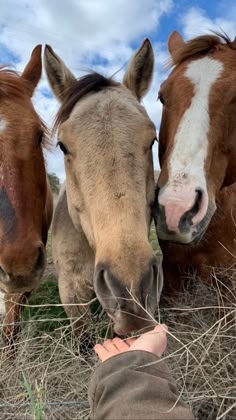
79	29
195	22
87	34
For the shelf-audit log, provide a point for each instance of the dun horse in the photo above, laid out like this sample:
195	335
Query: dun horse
102	220
25	195
196	194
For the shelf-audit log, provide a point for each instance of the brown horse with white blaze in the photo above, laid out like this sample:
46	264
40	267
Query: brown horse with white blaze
196	190
102	220
25	195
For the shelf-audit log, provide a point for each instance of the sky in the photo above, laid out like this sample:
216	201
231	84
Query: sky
102	35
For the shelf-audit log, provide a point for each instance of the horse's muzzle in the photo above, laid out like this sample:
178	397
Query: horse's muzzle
131	308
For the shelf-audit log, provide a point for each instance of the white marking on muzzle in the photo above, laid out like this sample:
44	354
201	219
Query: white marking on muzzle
3	125
2	304
190	147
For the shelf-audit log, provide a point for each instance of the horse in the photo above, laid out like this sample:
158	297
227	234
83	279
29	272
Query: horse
196	189
100	234
25	195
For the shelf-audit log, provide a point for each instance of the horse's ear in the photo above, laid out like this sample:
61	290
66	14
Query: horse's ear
139	74
175	42
59	76
33	70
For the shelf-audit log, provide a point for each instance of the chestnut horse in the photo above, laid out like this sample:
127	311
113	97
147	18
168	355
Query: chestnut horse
196	191
102	220
25	195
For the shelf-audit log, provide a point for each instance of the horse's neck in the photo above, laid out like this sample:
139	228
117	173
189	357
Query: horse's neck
225	215
226	198
49	204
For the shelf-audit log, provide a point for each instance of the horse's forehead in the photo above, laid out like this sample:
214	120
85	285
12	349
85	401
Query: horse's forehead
204	72
117	104
20	129
18	115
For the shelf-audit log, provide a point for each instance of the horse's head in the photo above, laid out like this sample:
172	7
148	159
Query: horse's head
197	147
106	137
23	184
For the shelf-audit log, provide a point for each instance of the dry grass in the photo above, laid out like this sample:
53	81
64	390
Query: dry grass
202	350
201	355
56	372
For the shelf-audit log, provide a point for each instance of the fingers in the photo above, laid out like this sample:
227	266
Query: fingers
121	345
111	348
102	353
154	343
130	341
116	345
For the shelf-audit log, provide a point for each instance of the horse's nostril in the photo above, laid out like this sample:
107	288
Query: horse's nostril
154	271
107	287
195	209
40	259
148	284
187	218
100	277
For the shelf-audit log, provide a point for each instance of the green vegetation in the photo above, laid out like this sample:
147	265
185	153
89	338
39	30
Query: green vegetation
154	241
47	317
36	404
54	183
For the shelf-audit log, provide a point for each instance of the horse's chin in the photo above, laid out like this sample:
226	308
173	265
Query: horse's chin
118	327
182	239
190	238
19	284
121	332
126	328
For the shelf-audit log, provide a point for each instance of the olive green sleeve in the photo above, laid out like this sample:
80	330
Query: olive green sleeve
135	385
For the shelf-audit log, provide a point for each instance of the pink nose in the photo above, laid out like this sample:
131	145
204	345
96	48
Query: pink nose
184	208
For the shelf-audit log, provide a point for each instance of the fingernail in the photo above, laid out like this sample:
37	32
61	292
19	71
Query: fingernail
164	326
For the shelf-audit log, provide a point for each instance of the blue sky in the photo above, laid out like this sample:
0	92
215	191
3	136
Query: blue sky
102	35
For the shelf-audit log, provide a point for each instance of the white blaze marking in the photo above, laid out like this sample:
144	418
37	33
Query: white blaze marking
3	125
190	143
2	304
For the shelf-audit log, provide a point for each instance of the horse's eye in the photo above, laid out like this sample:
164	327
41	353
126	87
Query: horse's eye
161	99
40	138
63	148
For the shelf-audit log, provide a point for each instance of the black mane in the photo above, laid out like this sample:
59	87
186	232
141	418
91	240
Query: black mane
93	82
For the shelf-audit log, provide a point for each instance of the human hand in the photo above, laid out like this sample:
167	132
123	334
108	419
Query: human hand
154	341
